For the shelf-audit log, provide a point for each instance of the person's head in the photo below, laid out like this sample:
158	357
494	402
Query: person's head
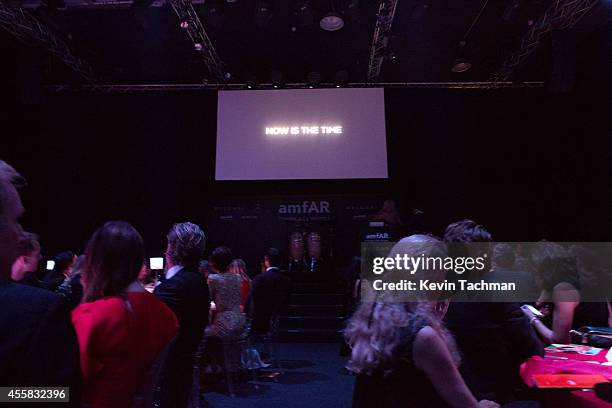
186	244
28	257
592	269
143	274
113	258
10	211
238	266
415	246
466	231
79	263
466	238
503	256
221	257
64	262
272	258
380	323
375	331
552	265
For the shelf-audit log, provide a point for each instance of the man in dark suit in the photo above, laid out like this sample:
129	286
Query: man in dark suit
185	291
494	337
269	293
38	345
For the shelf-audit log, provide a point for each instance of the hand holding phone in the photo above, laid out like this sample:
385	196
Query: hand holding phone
530	311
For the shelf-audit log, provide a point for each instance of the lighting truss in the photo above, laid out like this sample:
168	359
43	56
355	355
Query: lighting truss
561	14
97	4
384	21
26	28
201	42
128	88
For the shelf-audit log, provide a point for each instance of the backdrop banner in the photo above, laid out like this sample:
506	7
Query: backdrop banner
250	225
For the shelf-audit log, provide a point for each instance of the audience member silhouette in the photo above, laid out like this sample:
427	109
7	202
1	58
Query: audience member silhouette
186	292
38	344
494	338
121	328
269	293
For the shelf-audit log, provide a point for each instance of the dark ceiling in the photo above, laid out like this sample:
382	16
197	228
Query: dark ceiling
127	44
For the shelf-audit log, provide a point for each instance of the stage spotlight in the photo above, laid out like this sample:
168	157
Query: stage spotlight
303	13
313	79
198	46
263	13
341	78
331	22
276	77
184	24
391	46
461	62
250	80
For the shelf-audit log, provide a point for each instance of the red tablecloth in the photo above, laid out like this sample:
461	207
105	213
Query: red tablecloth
575	364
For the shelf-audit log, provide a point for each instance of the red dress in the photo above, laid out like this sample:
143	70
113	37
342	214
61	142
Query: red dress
245	288
118	345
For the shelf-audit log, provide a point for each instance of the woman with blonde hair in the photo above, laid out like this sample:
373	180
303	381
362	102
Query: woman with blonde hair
401	352
238	266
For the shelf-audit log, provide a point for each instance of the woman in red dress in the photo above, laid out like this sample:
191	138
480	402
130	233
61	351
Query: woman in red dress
121	328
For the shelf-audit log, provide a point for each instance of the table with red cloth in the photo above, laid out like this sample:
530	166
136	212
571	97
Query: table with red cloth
569	363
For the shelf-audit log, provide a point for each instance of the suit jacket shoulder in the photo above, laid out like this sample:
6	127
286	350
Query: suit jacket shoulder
37	341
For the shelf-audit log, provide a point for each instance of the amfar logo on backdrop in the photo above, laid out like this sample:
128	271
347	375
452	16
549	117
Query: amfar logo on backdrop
306	207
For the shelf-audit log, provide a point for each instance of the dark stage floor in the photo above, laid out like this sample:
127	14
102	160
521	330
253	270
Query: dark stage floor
313	376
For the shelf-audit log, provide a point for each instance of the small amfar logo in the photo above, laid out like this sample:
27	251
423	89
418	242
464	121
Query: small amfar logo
378	235
306	207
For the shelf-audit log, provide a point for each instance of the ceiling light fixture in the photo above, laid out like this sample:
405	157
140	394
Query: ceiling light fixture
332	21
461	62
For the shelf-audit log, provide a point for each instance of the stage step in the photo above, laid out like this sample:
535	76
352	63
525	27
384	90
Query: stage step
312	288
315	310
310	336
316	299
310	322
313	317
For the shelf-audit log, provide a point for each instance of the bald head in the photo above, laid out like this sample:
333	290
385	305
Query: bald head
10	211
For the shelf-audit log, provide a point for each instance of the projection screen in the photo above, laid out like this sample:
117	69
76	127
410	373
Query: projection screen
301	134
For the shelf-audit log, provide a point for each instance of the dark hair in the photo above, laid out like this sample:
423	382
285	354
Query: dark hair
28	245
113	258
62	261
503	255
273	257
556	270
187	243
466	231
221	257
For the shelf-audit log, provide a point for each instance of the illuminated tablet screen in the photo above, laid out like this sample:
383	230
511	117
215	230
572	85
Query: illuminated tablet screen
301	134
156	263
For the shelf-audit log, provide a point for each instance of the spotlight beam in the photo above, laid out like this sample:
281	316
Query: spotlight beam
560	15
201	42
28	29
384	21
